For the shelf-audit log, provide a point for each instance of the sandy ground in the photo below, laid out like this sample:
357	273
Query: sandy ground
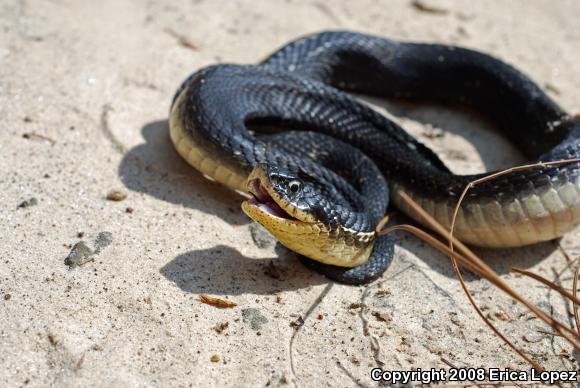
85	87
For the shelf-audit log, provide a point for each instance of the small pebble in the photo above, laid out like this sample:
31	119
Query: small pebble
385	317
215	358
261	237
456	155
432	133
297	323
502	316
254	318
533	337
52	339
29	202
116	195
220	327
78	254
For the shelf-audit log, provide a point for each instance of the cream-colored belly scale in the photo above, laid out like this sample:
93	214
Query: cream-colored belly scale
199	158
533	217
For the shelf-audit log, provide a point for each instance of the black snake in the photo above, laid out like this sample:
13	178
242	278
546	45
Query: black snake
317	160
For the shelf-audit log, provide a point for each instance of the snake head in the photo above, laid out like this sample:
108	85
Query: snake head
283	193
291	205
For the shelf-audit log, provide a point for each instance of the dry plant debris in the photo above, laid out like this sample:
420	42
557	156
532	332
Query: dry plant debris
217	302
421	6
464	256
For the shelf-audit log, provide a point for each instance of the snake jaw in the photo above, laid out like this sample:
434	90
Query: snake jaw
266	200
297	229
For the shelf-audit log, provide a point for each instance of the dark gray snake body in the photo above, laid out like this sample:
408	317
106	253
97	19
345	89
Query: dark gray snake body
346	151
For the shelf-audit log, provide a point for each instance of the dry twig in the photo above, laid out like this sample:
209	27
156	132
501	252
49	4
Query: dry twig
472	262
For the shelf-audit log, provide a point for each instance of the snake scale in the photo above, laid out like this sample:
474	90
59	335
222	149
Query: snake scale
318	162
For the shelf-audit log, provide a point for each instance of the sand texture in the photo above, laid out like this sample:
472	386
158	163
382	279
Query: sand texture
105	292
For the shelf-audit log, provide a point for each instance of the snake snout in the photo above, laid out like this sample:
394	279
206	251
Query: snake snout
262	198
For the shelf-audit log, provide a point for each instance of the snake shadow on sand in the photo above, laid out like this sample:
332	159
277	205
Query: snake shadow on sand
154	168
500	260
222	270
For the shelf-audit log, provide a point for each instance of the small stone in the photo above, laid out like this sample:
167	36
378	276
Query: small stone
261	237
220	327
254	317
502	316
297	323
385	317
7	297
456	155
215	358
431	132
52	339
533	337
29	202
284	380
78	255
116	195
383	294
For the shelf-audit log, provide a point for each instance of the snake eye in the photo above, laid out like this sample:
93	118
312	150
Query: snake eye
295	186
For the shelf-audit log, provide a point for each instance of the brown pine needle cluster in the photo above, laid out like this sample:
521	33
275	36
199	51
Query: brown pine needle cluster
462	255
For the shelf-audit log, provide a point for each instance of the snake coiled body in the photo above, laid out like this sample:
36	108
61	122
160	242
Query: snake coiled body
321	186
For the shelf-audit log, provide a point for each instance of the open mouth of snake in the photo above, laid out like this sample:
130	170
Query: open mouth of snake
263	200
